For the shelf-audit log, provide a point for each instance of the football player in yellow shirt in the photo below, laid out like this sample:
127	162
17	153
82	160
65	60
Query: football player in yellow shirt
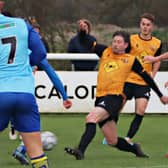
115	66
142	44
151	59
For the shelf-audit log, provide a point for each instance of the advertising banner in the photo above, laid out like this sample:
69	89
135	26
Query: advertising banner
81	89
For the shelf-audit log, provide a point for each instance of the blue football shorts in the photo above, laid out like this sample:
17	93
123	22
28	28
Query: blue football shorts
22	109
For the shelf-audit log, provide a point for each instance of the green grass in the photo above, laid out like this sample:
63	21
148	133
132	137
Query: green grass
153	136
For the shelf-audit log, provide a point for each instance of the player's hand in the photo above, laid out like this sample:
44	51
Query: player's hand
164	99
150	59
67	103
166	84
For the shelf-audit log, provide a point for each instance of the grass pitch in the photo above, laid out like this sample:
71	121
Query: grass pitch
153	136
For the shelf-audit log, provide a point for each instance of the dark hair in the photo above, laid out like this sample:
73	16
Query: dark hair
126	37
36	25
148	16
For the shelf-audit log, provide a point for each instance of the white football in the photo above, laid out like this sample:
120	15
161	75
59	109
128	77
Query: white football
49	140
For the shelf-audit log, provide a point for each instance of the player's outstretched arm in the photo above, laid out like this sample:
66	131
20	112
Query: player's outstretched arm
56	81
151	59
38	57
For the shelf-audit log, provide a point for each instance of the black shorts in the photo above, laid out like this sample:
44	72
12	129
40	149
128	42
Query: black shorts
137	91
112	104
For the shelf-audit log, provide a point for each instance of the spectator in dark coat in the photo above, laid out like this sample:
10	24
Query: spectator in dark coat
83	42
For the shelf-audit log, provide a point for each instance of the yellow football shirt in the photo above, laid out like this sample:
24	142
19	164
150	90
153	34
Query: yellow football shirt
141	48
113	71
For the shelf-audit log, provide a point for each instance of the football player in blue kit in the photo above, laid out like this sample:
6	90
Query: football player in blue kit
17	83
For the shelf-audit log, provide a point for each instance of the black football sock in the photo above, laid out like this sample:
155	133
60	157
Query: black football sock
87	136
123	145
135	125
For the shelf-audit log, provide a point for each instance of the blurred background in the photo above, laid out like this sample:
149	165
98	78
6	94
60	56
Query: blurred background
57	19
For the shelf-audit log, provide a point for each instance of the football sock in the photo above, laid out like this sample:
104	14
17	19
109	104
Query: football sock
134	125
40	162
12	130
87	137
123	145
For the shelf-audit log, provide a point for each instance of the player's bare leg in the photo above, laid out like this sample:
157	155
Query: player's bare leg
110	132
34	149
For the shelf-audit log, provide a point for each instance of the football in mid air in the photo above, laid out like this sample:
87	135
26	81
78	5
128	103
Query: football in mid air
49	140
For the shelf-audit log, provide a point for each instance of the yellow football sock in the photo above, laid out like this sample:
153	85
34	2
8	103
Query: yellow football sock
40	162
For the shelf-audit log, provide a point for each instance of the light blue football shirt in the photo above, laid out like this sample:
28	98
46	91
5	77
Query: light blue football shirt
15	70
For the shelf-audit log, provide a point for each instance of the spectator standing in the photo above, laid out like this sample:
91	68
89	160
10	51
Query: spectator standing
37	28
80	43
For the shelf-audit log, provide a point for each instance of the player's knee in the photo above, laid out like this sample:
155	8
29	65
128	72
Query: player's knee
91	118
140	111
112	141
